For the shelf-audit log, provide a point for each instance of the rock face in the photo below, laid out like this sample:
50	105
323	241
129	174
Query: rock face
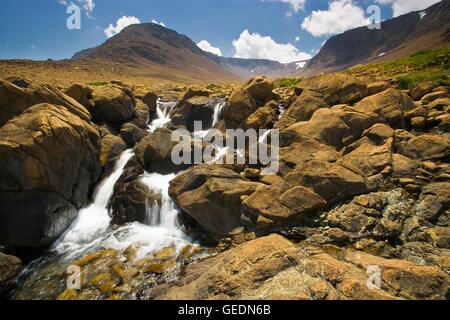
10	267
81	93
274	268
14	99
199	108
113	104
212	196
245	100
49	162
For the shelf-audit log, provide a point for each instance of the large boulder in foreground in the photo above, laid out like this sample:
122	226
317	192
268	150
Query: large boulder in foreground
21	94
49	163
113	104
212	196
194	109
275	268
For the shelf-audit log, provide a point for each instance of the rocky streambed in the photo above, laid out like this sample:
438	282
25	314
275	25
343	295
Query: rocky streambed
359	208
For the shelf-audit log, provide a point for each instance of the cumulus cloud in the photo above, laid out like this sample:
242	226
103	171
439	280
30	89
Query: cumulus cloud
255	46
157	22
342	15
400	7
206	46
121	24
295	5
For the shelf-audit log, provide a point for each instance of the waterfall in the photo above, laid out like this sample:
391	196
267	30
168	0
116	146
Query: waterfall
92	222
217	111
163	110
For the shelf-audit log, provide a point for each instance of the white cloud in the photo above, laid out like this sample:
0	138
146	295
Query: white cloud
254	46
206	46
342	15
121	24
404	6
295	5
160	23
297	39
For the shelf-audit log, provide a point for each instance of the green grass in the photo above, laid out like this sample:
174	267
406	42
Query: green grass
97	84
287	82
428	65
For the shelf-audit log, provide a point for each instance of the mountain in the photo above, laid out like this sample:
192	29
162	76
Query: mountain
158	50
151	45
398	37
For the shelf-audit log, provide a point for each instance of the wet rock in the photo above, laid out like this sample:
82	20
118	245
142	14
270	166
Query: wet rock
112	148
132	134
50	162
10	267
142	111
198	108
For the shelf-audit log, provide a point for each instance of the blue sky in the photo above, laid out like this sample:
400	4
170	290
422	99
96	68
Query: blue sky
36	29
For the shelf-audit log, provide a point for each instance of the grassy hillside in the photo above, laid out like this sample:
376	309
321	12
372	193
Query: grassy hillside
428	65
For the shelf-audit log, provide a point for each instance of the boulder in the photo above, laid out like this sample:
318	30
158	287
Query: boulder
16	99
427	146
245	99
306	149
377	87
113	104
10	267
281	204
302	109
390	105
49	163
112	148
132	134
332	182
338	88
149	98
81	93
195	92
434	201
263	118
194	109
212	196
433	96
422	89
142	111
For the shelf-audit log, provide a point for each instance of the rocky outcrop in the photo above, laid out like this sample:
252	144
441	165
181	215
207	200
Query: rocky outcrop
199	108
21	94
275	268
212	196
112	104
10	267
50	162
244	101
81	93
112	148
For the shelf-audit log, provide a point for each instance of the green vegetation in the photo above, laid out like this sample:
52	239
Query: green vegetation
97	84
427	65
287	82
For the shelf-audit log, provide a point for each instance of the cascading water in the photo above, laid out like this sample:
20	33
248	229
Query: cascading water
163	110
217	111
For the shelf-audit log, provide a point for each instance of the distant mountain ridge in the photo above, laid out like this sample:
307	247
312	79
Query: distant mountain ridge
152	44
398	37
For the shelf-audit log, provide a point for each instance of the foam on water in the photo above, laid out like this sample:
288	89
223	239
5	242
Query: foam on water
163	110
